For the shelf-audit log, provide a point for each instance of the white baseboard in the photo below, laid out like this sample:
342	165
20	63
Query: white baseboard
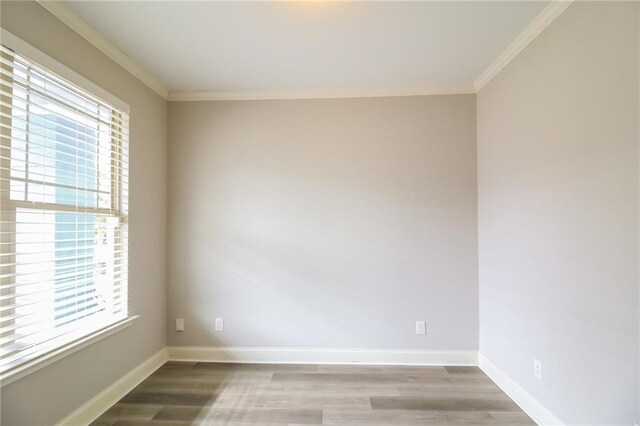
100	403
540	414
321	356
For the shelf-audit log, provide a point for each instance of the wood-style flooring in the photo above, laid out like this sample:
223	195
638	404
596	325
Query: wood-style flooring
212	393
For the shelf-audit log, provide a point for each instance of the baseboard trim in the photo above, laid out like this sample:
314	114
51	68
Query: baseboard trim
100	403
538	412
321	356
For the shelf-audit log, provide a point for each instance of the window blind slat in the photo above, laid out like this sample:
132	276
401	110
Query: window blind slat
62	125
23	105
25	84
47	326
121	252
33	305
82	100
80	268
22	149
63	310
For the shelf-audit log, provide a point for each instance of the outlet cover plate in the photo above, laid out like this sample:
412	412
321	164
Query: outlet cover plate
537	369
219	324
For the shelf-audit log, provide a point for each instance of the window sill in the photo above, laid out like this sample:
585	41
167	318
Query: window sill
63	351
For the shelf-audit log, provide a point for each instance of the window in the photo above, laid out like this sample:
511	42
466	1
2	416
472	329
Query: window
63	212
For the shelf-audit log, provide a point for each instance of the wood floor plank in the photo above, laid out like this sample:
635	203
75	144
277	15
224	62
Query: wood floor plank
454	388
124	411
239	390
212	378
449	379
342	389
515	418
262	415
463	370
215	374
291	400
178	413
173	387
158	398
442	404
381	369
453	395
228	366
339	378
405	417
150	423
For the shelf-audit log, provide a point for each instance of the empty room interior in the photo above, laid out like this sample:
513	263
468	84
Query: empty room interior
319	212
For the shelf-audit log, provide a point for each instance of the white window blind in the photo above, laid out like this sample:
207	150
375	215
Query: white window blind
63	212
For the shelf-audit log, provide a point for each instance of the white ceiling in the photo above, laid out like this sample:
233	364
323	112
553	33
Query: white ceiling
275	47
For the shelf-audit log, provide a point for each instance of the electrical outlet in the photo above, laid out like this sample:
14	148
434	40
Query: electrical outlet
421	327
219	324
179	324
537	369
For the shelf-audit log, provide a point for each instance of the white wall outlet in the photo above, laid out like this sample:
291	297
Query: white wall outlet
219	324
537	369
179	324
421	327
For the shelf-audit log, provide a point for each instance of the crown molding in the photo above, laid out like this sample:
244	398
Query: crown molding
73	21
183	96
542	21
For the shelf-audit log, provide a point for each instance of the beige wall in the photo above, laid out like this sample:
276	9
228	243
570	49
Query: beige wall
558	215
324	223
53	392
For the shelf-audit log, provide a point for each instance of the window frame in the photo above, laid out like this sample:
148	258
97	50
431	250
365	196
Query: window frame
10	206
